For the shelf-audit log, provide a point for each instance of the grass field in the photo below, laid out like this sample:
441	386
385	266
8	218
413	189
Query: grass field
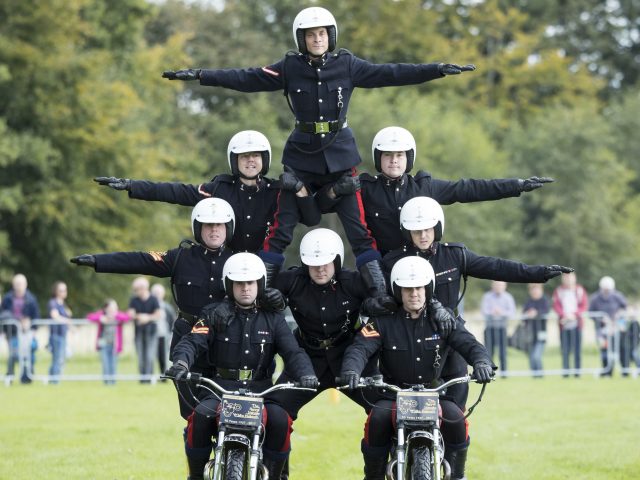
550	428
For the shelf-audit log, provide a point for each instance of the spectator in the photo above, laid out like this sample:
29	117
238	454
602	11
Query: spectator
109	340
497	307
144	309
165	324
59	312
612	304
570	301
22	306
535	314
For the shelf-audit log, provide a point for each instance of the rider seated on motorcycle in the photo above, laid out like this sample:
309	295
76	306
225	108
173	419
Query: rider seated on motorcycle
412	351
240	339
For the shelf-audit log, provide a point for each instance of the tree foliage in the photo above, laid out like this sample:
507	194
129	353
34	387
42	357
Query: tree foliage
556	93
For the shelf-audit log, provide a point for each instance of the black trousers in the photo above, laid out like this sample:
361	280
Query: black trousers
349	208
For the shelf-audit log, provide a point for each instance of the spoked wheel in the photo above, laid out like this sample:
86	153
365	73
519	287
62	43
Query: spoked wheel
234	464
421	464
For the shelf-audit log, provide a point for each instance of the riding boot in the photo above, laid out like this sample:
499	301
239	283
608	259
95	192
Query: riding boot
285	471
196	467
273	263
274	467
374	467
374	280
457	460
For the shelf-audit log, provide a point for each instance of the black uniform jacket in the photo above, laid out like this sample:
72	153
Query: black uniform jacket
196	272
254	206
249	342
314	89
383	199
452	261
323	312
411	351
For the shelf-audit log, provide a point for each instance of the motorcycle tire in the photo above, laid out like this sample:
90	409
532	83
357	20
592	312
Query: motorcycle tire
421	465
234	465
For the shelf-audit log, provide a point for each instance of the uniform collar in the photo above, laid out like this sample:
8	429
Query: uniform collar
392	182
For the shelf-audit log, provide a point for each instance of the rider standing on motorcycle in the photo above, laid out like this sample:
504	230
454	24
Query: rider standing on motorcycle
422	225
321	149
253	197
412	352
240	340
394	154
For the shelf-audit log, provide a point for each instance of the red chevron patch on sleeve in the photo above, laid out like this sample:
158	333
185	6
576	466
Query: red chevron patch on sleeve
369	331
270	72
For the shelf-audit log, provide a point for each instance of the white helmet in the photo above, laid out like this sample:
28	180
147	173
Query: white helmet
412	271
420	213
212	210
248	141
607	283
314	17
322	246
244	267
393	139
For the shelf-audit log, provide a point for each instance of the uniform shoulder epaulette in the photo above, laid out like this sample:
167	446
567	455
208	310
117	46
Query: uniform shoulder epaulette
291	53
453	244
271	183
422	174
224	177
367	177
343	51
186	243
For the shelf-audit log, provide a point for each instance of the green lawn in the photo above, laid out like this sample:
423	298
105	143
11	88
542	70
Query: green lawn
550	428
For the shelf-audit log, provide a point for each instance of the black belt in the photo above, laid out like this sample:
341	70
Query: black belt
326	343
235	374
321	127
192	319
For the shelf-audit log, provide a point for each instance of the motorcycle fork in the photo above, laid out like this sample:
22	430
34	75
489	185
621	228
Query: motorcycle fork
256	453
219	455
400	453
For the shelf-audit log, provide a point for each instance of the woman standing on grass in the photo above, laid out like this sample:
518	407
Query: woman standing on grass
60	313
109	341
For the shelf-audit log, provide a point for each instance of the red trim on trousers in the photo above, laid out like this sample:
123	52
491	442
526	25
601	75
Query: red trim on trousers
274	227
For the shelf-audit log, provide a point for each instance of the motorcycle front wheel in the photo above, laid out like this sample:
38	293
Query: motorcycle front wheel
234	465
421	464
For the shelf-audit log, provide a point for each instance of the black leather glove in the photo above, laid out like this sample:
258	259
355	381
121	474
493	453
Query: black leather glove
189	74
272	300
289	181
531	183
178	370
442	319
114	182
483	372
375	306
346	185
350	379
309	381
85	260
453	69
551	271
219	315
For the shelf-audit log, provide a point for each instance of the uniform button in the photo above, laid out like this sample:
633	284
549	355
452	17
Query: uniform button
420	377
245	367
248	217
226	339
268	223
376	214
247	352
320	100
246	334
418	359
211	279
210	296
319	83
324	324
249	198
317	69
214	262
188	283
399	208
449	278
419	340
397	189
298	90
323	308
263	340
322	135
394	347
321	117
247	235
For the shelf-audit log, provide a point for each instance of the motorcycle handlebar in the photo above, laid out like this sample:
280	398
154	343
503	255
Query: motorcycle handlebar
378	382
198	379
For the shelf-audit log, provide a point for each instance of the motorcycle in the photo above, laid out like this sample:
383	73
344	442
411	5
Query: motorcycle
238	452
418	449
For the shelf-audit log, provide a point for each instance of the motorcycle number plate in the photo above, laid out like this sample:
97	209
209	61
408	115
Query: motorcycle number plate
417	406
242	411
